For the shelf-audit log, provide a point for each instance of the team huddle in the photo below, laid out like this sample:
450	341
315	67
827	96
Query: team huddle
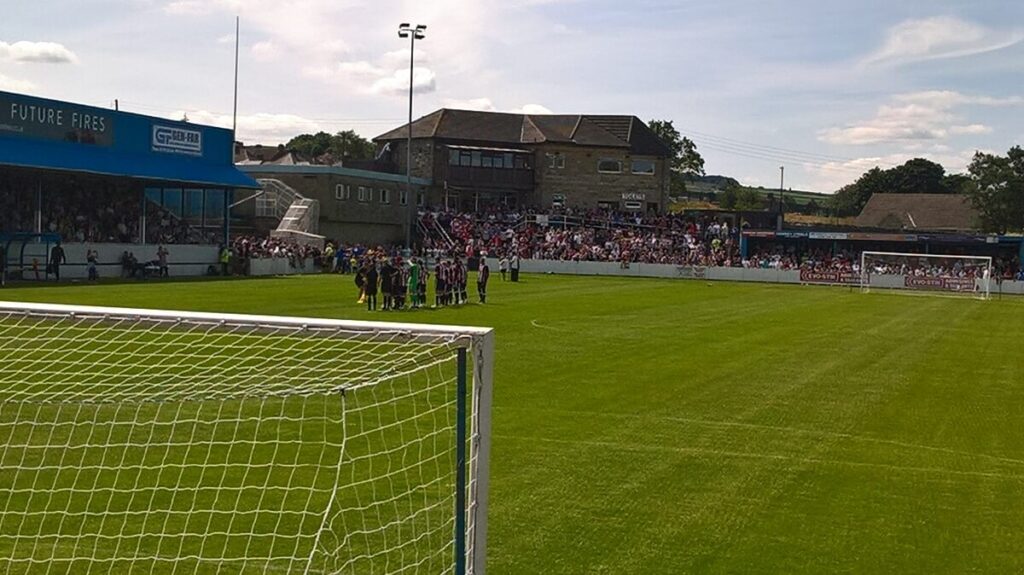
399	282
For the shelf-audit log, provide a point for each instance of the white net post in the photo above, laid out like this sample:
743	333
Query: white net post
153	441
944	274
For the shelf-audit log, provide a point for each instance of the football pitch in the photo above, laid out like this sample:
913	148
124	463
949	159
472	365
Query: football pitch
668	426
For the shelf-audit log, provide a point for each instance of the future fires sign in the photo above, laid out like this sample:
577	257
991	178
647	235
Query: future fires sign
55	121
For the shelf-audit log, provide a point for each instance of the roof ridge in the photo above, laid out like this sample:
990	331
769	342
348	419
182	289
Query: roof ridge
576	128
522	131
437	124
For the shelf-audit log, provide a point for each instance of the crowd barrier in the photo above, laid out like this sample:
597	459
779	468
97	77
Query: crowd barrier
281	267
182	260
727	274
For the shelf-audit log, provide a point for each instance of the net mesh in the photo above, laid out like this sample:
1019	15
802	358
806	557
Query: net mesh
164	446
927	273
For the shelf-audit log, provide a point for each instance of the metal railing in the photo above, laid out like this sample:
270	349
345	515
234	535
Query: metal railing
276	199
299	216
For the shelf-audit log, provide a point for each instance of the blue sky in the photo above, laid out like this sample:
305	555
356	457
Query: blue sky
826	88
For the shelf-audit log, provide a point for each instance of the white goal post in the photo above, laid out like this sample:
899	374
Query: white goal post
927	273
166	441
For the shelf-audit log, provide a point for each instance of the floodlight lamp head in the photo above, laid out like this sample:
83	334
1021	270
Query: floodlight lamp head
420	27
403	34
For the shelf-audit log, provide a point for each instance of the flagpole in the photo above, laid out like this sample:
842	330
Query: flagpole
234	112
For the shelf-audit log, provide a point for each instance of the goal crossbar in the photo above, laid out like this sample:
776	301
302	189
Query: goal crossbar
470	353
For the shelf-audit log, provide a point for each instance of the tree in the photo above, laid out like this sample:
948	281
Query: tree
918	176
851	198
998	190
686	159
311	145
727	198
747	200
346	145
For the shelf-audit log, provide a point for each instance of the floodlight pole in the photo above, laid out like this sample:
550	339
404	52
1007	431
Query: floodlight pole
413	33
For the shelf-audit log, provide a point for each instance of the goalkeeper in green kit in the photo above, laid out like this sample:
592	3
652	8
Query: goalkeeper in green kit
413	285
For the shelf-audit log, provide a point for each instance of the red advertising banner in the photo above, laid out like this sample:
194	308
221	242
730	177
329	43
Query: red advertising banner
947	284
843	278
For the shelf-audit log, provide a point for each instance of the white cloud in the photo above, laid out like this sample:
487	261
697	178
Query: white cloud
938	38
423	81
226	39
40	52
972	129
14	85
476	104
189	7
255	128
265	51
533	109
486	105
916	117
387	76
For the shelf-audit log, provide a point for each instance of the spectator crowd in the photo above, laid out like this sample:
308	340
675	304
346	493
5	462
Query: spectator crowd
97	216
611	236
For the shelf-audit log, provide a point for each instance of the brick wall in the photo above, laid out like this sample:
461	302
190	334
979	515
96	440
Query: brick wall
580	182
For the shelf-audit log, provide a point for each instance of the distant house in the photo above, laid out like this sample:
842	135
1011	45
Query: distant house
478	160
922	212
258	155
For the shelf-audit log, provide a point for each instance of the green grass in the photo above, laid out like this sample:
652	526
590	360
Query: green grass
648	426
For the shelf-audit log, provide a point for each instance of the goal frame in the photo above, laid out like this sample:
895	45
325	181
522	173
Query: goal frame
472	343
983	286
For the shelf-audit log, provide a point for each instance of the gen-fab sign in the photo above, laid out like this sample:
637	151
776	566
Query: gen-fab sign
177	140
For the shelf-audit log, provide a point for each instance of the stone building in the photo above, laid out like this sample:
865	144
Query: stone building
356	206
480	159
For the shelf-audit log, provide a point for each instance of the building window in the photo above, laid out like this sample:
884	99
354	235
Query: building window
487	161
385	196
633	206
453	157
557	200
556	161
403	197
609	166
643	167
421	198
365	194
342	192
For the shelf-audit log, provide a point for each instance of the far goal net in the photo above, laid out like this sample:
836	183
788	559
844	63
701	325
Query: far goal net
136	441
927	273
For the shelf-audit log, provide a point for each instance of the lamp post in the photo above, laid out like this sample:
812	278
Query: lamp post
782	188
406	30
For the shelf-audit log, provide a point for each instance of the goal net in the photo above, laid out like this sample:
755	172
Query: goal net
927	273
156	442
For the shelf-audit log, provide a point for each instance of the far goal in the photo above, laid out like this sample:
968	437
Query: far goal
927	273
136	441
